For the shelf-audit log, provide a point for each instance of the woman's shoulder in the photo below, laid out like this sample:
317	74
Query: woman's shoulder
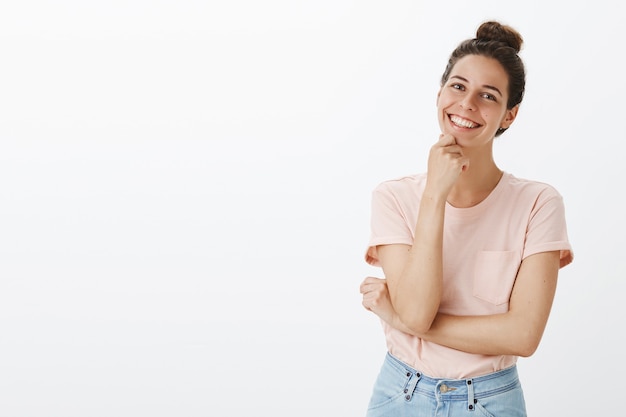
530	187
406	184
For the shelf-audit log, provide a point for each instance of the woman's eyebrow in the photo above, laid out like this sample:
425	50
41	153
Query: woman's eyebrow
490	87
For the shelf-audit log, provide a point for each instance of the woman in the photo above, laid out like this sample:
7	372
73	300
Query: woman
470	253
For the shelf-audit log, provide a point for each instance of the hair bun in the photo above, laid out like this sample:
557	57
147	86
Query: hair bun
494	31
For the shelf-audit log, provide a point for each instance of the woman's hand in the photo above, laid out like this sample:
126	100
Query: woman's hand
445	163
376	298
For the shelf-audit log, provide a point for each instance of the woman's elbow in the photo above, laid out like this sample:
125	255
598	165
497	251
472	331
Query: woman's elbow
419	324
526	350
526	344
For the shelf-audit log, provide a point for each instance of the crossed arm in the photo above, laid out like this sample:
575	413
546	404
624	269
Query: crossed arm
516	332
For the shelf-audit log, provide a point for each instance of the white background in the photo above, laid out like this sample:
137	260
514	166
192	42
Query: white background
185	189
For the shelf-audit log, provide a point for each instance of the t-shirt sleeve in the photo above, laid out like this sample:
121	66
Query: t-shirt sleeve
388	223
547	229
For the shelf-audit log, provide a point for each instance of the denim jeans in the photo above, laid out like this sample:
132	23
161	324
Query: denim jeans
401	391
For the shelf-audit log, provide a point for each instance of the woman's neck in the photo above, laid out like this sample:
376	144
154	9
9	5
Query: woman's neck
475	184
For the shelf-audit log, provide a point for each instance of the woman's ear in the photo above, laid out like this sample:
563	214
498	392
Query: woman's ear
509	117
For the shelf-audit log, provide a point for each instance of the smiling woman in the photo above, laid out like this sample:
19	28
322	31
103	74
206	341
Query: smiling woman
472	102
470	253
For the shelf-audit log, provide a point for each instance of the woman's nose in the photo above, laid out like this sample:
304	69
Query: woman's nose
467	103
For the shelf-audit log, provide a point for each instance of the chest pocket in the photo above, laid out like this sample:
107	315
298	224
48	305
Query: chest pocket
494	275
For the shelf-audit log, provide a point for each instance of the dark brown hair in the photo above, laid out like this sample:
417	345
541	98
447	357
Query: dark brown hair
502	43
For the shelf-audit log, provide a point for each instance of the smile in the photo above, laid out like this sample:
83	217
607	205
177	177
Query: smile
461	122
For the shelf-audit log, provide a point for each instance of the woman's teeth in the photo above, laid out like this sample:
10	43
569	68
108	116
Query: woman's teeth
459	121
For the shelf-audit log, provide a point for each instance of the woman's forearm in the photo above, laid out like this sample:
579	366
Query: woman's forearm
498	334
483	335
416	292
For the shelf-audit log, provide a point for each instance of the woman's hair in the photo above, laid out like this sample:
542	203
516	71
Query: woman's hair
500	42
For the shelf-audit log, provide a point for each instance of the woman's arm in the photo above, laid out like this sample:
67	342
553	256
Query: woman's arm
516	332
399	262
415	273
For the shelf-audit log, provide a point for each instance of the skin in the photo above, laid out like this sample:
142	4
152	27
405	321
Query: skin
471	106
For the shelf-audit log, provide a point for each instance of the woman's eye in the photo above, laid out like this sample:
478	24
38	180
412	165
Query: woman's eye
489	97
457	86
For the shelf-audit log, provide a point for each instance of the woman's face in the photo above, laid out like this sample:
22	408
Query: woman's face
471	105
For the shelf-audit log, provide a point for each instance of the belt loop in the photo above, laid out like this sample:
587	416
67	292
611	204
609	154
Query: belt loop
471	401
411	384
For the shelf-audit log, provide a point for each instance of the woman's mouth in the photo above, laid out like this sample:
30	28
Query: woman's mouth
461	122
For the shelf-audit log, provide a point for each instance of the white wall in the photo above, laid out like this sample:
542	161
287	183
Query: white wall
184	197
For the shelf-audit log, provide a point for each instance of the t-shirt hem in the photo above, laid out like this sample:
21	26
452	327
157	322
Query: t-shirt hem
371	254
564	247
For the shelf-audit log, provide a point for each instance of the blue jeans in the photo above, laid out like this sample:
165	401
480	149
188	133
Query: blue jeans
403	391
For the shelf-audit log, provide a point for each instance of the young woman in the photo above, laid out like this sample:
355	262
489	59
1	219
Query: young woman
470	253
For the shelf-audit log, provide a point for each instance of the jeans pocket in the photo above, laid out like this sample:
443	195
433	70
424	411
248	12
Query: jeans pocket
510	403
494	275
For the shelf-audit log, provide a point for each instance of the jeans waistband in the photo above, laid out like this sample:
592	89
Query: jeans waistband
467	389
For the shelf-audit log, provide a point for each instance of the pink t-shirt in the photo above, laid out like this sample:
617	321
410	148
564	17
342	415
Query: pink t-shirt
483	247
